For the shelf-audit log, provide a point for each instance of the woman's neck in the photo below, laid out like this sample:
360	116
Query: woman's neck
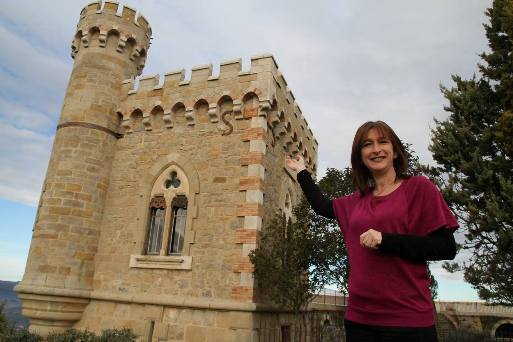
384	182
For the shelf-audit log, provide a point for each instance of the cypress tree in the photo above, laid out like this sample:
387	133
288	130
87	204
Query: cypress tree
474	149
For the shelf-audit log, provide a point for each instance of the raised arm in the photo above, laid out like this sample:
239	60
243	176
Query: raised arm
319	202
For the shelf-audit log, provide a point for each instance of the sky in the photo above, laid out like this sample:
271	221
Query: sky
346	61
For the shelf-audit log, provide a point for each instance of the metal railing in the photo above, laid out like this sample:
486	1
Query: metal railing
330	297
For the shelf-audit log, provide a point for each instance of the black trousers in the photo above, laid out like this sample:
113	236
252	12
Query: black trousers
356	332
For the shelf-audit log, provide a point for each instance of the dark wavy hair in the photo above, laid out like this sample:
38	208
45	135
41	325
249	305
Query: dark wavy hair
362	177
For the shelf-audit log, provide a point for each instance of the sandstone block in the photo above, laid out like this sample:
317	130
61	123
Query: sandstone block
235	320
195	334
175	332
251	183
246	236
242	293
220	335
252	158
256	133
250	209
243	264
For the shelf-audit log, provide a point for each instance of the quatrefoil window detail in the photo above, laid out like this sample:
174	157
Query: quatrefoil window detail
173	182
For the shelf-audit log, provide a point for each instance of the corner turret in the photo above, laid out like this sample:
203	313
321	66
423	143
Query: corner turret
109	46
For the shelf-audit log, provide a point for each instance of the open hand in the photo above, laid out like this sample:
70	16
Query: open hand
297	163
371	239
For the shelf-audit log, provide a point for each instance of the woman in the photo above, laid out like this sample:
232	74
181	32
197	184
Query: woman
392	225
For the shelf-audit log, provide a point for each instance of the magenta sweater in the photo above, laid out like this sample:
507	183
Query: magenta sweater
385	289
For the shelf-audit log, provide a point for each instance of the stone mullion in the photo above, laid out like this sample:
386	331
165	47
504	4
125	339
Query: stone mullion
167	227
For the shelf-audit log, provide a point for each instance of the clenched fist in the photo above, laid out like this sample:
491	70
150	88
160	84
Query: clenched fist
371	239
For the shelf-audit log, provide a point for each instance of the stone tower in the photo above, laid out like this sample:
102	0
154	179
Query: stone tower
108	48
156	189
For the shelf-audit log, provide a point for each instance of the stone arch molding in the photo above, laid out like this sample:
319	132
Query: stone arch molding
174	159
498	324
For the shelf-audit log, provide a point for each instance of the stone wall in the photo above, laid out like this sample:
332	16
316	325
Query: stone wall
216	160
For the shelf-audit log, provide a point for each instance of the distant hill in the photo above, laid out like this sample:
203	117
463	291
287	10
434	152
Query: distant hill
12	308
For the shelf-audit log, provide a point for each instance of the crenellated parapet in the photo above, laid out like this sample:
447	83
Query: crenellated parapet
158	102
113	26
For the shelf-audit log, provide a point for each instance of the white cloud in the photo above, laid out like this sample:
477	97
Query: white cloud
23	116
30	74
12	267
25	60
47	24
23	161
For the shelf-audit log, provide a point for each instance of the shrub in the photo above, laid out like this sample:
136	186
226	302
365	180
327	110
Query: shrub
10	334
113	335
110	335
20	335
72	335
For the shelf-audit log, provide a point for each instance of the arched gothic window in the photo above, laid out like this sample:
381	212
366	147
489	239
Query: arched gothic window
167	219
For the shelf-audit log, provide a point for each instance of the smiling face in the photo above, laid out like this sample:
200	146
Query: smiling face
377	153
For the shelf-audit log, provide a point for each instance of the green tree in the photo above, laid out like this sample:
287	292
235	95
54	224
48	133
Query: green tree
292	259
474	151
336	183
416	168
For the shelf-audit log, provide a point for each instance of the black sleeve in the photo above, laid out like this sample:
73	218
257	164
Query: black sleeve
438	245
319	202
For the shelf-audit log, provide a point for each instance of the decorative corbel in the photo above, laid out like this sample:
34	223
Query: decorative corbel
146	121
85	39
236	110
293	149
136	52
280	130
287	142
125	124
264	108
74	51
189	116
103	38
140	68
168	120
273	118
212	113
121	44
